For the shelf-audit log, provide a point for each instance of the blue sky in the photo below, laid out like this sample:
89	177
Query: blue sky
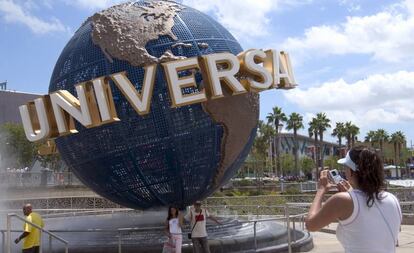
352	59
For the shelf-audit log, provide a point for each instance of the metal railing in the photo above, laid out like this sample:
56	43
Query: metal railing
288	219
51	235
20	178
290	214
303	187
286	216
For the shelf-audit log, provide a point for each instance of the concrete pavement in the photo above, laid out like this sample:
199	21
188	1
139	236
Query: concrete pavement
327	243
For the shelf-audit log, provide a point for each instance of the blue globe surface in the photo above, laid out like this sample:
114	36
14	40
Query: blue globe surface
172	156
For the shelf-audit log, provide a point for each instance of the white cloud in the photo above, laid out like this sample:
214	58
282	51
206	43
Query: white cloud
410	5
378	99
93	4
351	5
387	36
12	12
247	18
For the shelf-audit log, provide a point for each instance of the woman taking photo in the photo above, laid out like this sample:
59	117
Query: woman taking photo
368	217
174	224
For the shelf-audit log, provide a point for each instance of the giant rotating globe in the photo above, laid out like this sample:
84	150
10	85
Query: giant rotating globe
171	156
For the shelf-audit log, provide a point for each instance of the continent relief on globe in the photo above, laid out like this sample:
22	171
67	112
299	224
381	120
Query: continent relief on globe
238	115
123	31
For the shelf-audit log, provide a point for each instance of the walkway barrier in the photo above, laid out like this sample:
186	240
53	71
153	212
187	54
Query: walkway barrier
51	235
20	178
292	215
289	219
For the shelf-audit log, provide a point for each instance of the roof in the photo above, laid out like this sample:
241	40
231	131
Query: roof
9	105
303	137
20	92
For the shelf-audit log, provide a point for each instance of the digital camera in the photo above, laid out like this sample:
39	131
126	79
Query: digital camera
335	177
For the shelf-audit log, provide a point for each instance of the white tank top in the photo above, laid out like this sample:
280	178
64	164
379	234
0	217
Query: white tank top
366	230
174	226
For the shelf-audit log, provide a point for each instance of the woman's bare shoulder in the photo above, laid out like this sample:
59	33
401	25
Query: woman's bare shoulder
345	196
344	201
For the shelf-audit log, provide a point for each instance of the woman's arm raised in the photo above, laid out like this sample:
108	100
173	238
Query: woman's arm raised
337	207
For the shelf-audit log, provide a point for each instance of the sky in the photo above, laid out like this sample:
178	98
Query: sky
353	59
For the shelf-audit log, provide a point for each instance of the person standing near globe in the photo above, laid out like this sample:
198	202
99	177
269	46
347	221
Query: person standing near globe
174	224
31	236
197	217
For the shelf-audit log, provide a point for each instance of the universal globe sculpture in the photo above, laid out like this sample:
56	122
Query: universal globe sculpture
172	155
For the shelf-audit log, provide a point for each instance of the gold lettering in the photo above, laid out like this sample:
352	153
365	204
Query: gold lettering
140	101
66	107
176	84
219	69
257	77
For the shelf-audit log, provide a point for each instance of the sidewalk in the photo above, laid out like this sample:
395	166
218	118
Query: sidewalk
327	243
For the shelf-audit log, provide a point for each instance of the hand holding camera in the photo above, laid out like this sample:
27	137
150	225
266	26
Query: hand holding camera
332	179
324	181
342	184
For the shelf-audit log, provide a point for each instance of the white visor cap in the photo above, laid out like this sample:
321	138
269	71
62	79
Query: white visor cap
347	161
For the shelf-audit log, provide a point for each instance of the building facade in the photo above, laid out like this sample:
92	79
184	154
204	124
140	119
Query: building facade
9	105
306	146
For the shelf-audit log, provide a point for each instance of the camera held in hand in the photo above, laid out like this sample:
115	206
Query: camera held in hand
335	177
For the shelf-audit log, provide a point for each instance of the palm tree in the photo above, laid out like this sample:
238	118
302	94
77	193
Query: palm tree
294	123
351	132
339	132
261	142
354	131
276	117
348	134
398	139
313	132
381	136
322	126
370	137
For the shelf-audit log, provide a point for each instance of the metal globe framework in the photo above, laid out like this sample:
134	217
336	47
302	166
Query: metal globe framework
168	157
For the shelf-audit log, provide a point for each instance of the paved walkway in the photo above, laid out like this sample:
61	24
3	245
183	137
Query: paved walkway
327	243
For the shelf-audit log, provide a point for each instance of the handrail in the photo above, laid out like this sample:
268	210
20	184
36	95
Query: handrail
120	230
70	209
11	215
287	217
290	220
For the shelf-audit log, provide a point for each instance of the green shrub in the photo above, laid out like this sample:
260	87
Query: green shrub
292	191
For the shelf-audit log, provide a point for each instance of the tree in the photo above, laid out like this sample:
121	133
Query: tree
313	132
276	117
398	139
295	122
354	131
381	136
260	142
370	137
51	161
351	132
332	162
322	123
287	162
307	164
18	151
339	132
